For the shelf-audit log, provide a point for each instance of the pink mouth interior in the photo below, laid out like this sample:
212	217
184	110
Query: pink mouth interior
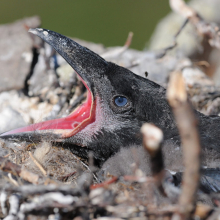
76	121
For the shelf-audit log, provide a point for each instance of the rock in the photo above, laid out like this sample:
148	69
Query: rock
16	52
10	119
190	43
18	110
43	73
158	69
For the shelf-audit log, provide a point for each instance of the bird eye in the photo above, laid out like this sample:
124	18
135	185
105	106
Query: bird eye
120	101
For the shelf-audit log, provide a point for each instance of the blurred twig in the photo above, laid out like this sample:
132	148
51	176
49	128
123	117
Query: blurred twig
152	141
208	30
164	51
187	125
38	164
120	50
16	170
104	184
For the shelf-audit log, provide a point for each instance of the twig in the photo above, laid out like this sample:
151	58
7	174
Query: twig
14	207
208	30
16	170
187	125
164	51
152	141
64	178
30	189
38	164
119	51
3	200
166	210
181	28
12	180
7	155
202	210
48	200
181	8
87	167
104	184
129	39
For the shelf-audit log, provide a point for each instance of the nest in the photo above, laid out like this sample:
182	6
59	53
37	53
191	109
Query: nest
43	181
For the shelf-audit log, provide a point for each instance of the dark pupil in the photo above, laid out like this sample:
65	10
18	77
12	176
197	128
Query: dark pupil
120	101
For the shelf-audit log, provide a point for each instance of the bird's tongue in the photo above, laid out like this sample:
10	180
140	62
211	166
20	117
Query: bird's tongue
68	126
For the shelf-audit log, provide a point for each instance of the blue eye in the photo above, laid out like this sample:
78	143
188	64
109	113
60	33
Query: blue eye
120	101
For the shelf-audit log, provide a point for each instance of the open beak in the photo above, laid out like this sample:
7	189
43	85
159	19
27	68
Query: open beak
88	66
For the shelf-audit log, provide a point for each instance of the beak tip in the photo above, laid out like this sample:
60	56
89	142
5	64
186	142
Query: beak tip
43	33
33	30
2	134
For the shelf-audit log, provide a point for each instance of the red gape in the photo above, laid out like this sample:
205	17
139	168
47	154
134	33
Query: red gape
76	121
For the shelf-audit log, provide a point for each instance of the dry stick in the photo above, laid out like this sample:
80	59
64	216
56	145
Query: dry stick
14	206
104	184
187	125
164	51
152	141
87	167
16	170
12	180
181	8
38	164
30	189
203	210
164	210
47	201
208	30
161	53
118	51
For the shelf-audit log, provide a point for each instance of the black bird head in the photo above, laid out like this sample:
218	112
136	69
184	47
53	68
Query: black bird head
118	103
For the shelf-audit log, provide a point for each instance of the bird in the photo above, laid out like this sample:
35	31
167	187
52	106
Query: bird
108	123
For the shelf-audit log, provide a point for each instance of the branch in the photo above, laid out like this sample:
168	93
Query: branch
152	141
14	207
16	170
104	184
208	30
38	164
118	51
187	125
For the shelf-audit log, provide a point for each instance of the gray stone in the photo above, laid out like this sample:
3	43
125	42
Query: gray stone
43	72
189	42
10	119
16	52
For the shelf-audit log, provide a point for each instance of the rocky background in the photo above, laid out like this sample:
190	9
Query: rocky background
37	84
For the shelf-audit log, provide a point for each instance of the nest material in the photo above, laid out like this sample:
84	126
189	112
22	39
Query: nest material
42	181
